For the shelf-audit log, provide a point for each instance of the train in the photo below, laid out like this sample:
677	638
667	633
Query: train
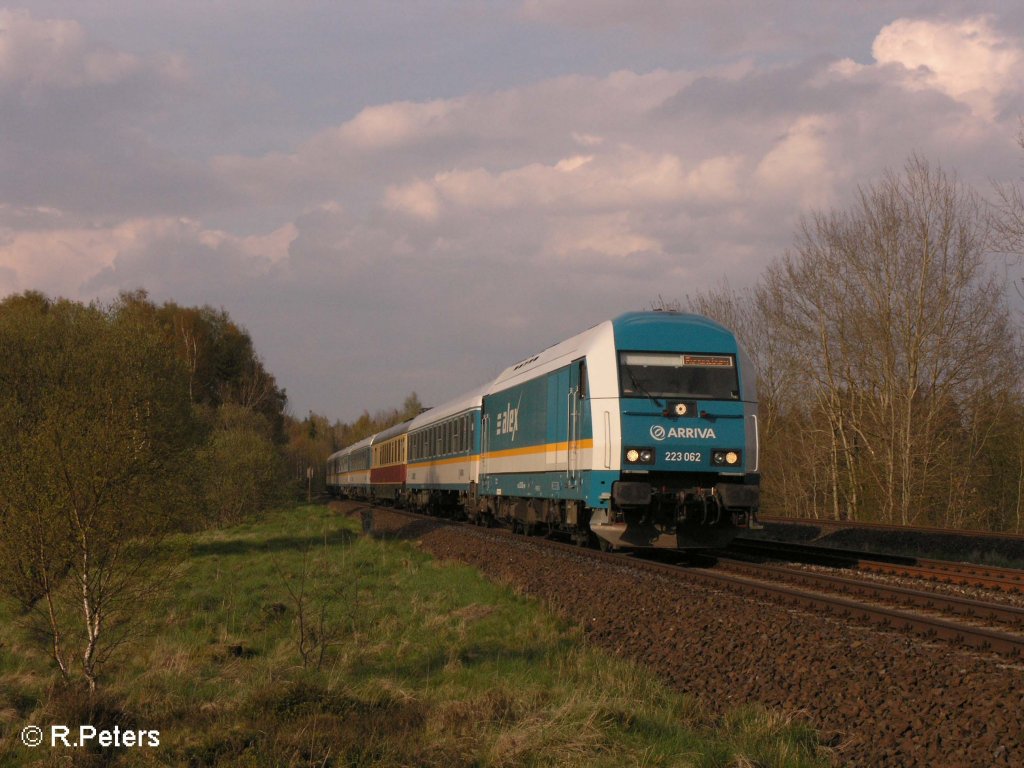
640	432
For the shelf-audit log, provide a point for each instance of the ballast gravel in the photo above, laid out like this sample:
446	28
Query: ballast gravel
879	698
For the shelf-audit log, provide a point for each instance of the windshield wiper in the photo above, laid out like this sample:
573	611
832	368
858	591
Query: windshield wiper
640	389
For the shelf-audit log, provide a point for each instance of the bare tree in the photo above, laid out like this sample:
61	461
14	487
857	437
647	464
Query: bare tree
901	330
1008	218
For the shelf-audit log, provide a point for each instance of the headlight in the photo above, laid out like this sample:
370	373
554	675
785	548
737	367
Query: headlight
639	455
726	458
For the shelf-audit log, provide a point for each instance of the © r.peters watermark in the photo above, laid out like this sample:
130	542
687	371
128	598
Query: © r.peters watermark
87	735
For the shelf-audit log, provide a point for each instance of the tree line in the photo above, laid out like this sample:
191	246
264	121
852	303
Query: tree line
119	425
314	438
889	358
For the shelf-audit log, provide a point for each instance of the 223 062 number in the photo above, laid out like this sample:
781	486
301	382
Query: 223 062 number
689	456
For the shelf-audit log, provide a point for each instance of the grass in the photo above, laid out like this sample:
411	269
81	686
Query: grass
399	661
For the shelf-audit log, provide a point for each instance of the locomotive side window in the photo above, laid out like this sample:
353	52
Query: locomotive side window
674	375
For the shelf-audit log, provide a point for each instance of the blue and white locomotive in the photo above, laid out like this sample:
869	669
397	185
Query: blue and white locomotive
639	432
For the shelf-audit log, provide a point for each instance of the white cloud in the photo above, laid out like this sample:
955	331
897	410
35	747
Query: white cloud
967	60
582	238
56	53
390	125
418	199
799	166
63	260
622	178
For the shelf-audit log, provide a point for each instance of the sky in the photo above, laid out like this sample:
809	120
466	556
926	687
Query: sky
410	196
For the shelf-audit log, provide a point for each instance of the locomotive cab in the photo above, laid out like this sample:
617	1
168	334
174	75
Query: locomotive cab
688	414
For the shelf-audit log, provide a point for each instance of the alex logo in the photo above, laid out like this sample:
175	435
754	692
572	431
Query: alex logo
507	421
659	433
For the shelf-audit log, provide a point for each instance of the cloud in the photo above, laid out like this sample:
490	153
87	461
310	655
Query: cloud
78	124
968	60
622	178
387	248
391	125
799	166
155	253
41	54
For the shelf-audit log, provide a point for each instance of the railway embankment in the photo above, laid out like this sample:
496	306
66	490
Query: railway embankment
879	697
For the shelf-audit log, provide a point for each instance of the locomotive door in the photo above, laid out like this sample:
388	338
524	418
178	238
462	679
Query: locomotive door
485	444
574	421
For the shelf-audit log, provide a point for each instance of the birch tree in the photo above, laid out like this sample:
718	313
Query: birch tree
96	430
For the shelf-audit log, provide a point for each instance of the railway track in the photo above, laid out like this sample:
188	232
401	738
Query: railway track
765	582
942	571
978	610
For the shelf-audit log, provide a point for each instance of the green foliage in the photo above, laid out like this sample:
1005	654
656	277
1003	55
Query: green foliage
118	425
218	356
243	472
96	430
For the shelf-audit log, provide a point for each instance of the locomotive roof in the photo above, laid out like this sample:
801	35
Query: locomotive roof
552	357
634	330
672	331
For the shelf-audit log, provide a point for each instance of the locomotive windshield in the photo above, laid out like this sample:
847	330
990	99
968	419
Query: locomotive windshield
673	375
